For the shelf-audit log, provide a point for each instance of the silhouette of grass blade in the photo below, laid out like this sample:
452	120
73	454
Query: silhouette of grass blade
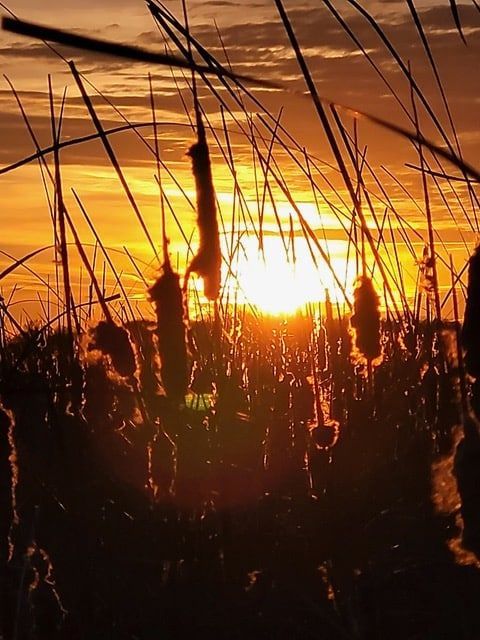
456	19
128	52
21	261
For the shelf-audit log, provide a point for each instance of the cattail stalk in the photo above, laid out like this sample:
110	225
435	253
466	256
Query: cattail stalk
208	260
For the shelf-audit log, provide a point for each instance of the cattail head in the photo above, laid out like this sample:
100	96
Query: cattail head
167	297
115	342
471	322
366	319
208	260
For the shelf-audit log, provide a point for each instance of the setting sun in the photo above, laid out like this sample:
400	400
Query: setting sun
276	283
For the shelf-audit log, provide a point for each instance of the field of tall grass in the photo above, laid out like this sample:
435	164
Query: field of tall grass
183	453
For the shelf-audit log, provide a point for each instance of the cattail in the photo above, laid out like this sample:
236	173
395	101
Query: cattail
208	260
167	298
471	322
366	319
115	342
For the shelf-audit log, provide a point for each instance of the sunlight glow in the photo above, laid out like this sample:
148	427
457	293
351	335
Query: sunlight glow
275	283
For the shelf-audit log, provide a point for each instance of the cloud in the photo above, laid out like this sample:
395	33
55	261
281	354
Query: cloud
258	48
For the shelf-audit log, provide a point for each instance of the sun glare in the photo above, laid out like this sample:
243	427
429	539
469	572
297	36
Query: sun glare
276	283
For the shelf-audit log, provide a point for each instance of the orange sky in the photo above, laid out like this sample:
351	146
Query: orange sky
256	44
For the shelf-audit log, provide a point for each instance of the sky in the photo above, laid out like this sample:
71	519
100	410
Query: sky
253	37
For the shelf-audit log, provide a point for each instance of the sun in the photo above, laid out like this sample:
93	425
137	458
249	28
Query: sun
282	280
